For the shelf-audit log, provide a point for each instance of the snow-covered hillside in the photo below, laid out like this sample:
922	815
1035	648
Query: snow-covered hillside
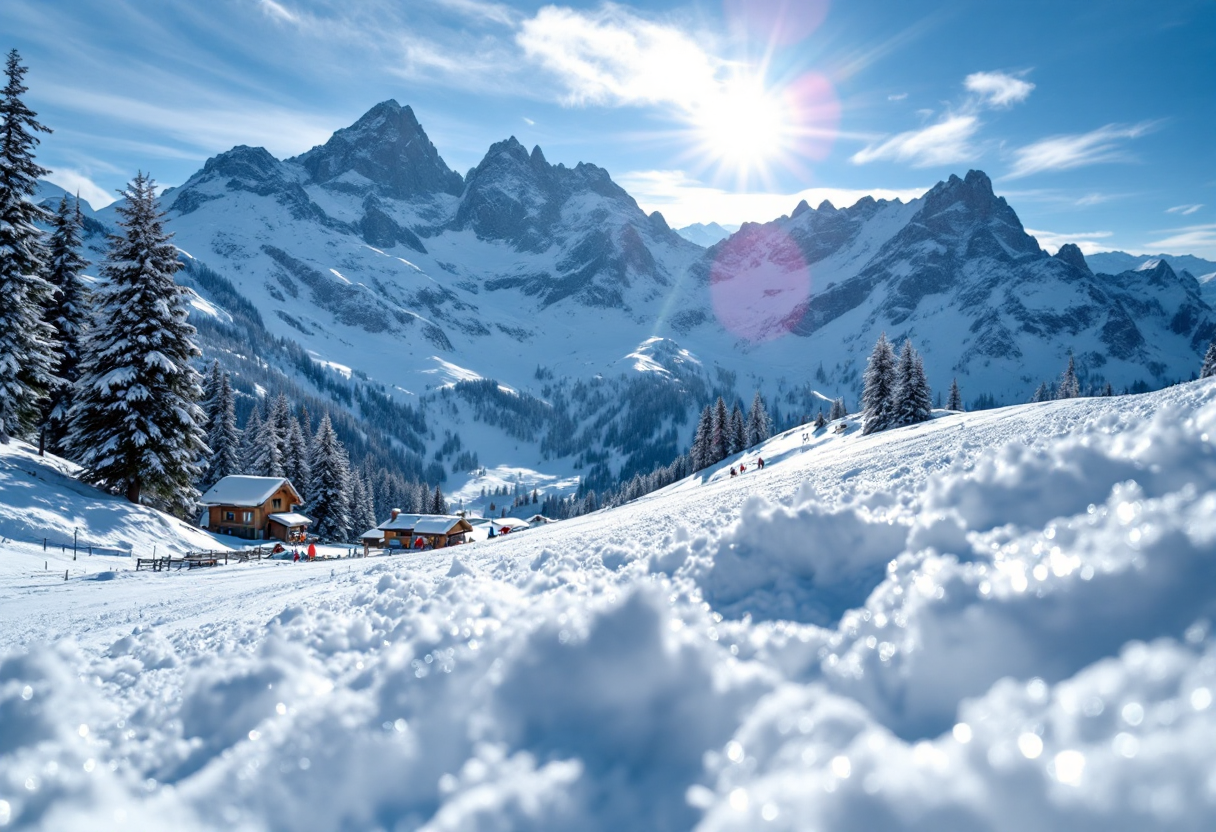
990	621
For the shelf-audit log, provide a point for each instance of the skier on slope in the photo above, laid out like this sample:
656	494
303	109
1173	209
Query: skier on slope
760	463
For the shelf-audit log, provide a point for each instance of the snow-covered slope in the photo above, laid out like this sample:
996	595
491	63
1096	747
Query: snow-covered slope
991	621
1114	262
41	499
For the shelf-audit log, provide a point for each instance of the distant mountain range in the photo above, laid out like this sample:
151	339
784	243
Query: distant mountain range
706	234
537	313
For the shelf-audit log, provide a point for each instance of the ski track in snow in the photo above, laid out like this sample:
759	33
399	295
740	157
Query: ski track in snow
992	621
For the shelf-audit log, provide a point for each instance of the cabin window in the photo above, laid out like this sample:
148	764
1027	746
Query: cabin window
228	515
278	503
248	517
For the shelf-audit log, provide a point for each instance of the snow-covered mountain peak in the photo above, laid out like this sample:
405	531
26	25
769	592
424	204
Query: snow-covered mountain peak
665	356
1071	254
388	147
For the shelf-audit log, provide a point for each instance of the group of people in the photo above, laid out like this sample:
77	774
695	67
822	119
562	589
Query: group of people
310	555
743	467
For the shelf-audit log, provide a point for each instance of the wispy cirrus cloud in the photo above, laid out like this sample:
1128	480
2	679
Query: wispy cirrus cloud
278	12
950	139
943	143
1076	150
997	89
1190	239
1184	210
76	182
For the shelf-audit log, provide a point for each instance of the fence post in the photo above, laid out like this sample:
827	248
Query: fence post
74	533
65	574
44	544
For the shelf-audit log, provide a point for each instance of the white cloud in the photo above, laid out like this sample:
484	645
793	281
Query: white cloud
479	10
996	89
684	200
1185	210
1087	241
1072	151
278	11
612	56
528	121
944	143
897	96
73	181
1199	240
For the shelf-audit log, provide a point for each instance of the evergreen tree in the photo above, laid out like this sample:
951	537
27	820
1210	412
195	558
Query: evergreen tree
876	397
955	402
222	435
249	439
738	433
719	442
1209	361
1042	393
27	340
268	458
136	426
838	411
912	401
438	504
820	421
757	422
702	440
295	461
68	314
328	491
362	512
1107	390
1069	387
280	414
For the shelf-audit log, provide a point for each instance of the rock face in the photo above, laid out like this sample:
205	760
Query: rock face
1071	254
386	151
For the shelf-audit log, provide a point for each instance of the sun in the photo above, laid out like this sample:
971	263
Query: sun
742	128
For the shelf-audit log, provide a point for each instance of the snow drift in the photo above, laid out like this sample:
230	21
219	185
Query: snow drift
991	621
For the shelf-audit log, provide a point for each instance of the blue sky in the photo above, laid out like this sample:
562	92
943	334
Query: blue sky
1097	120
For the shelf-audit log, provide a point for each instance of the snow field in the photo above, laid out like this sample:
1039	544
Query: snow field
992	621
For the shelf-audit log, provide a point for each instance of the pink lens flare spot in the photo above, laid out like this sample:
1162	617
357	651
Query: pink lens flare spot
775	22
814	114
759	284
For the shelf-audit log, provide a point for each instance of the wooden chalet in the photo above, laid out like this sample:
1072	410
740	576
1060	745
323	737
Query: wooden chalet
436	530
255	508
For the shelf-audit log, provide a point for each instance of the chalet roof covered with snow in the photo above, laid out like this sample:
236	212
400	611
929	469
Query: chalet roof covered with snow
441	524
372	534
291	518
240	490
402	522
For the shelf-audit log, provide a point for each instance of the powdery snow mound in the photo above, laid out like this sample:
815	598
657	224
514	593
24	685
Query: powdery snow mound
994	621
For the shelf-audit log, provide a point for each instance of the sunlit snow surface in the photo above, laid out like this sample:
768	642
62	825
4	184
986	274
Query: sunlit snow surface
995	621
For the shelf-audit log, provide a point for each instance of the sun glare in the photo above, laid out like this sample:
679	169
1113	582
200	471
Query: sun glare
743	128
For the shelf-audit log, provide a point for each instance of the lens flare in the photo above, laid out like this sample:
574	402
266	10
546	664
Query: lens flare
759	284
775	23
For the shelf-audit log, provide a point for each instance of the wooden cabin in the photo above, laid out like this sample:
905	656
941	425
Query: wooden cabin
435	530
399	527
255	508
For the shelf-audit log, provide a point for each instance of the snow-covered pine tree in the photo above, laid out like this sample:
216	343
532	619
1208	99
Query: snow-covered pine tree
438	504
268	456
1209	362
1042	393
249	439
758	425
955	402
68	313
912	400
702	441
136	426
363	514
1069	387
719	442
838	411
280	414
295	461
27	339
922	395
738	433
1108	390
878	393
820	420
222	435
329	489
